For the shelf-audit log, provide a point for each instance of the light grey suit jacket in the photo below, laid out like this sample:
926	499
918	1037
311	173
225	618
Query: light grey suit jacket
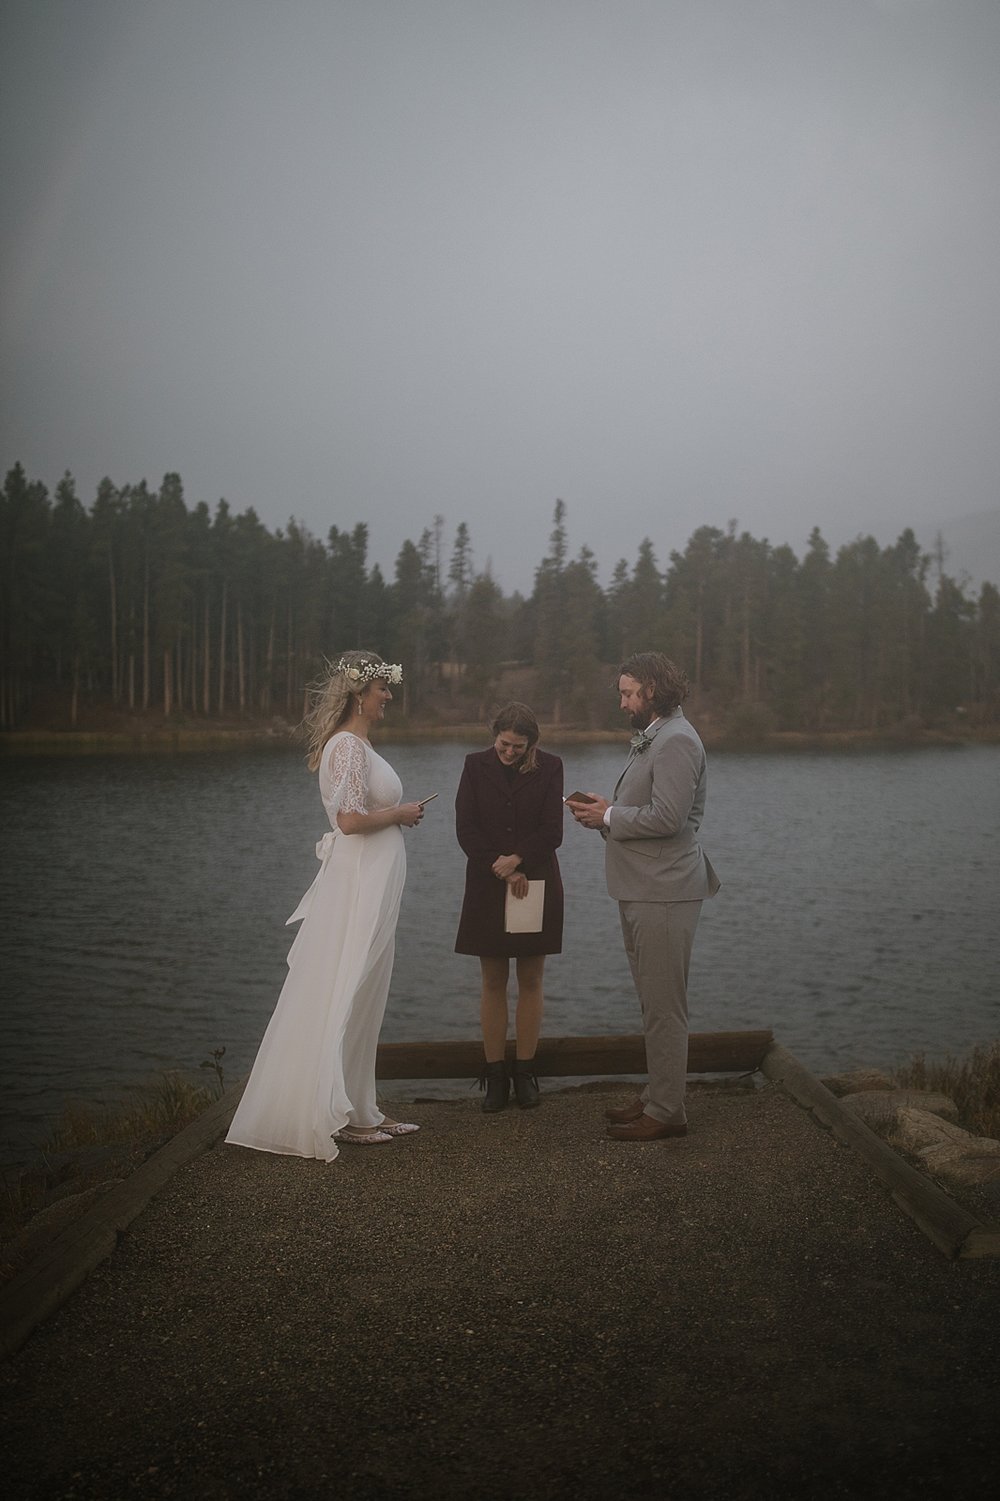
652	852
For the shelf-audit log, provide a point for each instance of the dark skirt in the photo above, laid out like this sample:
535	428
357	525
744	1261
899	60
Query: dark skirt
481	930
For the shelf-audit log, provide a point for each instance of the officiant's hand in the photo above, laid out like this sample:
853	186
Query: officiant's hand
590	815
518	884
505	865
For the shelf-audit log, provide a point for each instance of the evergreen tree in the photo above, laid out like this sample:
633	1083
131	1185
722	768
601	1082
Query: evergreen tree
815	586
348	579
409	620
106	538
855	633
484	639
460	577
905	606
636	604
783	632
142	599
584	626
24	535
553	646
951	650
693	595
615	612
72	633
986	654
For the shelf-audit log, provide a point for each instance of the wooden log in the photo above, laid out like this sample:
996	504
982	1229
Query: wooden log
49	1279
574	1057
952	1229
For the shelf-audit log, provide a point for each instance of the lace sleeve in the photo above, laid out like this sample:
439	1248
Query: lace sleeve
347	786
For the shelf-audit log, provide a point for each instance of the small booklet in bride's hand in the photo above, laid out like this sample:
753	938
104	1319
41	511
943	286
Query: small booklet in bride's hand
524	914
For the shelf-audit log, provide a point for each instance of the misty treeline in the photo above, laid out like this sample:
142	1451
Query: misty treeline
140	603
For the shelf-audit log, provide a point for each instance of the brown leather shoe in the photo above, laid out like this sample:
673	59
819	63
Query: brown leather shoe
622	1114
646	1128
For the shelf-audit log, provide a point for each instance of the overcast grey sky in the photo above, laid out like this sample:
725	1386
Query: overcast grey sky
673	261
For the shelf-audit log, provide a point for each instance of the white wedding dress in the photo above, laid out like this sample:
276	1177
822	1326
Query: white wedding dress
315	1070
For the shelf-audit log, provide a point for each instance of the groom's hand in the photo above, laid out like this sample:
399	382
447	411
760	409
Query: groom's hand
590	815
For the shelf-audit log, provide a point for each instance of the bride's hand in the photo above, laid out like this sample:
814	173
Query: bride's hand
409	814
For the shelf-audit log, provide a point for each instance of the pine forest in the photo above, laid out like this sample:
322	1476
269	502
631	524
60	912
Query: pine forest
141	607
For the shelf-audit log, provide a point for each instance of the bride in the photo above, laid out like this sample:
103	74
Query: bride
313	1081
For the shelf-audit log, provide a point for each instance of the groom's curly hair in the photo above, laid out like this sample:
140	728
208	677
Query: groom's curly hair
653	670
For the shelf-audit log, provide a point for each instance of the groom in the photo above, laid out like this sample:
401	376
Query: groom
659	875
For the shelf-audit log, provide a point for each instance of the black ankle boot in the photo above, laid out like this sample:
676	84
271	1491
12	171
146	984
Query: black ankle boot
525	1083
496	1081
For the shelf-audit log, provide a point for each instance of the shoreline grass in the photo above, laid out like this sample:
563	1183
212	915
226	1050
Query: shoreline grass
973	1083
158	1110
89	1144
158	739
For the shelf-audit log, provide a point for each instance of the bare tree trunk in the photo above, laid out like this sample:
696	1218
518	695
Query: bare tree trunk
289	683
222	650
168	682
745	651
74	703
145	639
267	687
131	680
240	663
191	663
206	660
115	665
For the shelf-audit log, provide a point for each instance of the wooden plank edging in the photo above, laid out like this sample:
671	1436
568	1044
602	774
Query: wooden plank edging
953	1229
69	1258
574	1057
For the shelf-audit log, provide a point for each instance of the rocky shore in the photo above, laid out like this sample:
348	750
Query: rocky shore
923	1126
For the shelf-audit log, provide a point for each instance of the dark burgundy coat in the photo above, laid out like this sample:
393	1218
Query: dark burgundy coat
496	815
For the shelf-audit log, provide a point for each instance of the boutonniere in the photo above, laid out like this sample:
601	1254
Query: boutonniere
640	742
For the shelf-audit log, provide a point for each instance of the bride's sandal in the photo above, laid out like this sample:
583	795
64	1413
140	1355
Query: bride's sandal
363	1136
398	1128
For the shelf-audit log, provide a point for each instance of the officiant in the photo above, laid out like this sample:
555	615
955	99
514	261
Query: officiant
509	821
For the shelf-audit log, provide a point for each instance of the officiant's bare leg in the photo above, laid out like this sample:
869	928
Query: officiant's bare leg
528	1018
493	1007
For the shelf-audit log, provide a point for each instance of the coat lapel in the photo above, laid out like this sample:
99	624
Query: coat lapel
494	770
497	774
657	727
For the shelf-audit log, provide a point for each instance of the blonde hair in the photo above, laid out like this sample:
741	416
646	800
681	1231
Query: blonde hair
518	719
333	699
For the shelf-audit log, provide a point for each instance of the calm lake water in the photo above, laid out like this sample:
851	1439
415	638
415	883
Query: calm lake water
144	900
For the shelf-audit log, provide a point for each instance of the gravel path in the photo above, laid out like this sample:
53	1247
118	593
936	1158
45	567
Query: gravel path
516	1306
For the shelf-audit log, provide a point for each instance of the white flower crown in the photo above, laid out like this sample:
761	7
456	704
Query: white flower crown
391	672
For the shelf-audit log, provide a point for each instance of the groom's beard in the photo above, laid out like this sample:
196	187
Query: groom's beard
638	721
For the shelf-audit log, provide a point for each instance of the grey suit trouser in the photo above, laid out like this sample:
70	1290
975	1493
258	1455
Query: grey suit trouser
659	937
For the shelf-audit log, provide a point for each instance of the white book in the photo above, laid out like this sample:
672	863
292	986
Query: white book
524	914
